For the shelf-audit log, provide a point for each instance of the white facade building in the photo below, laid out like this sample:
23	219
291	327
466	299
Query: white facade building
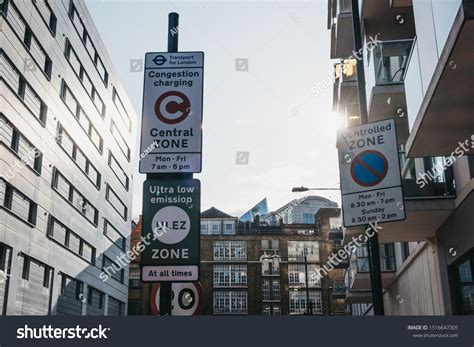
66	129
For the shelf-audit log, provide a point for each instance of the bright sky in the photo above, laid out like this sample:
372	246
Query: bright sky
270	112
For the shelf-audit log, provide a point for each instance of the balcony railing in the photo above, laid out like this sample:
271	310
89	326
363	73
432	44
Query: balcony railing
428	177
390	61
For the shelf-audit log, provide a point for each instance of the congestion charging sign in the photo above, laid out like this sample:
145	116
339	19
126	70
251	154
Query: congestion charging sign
171	230
171	136
370	174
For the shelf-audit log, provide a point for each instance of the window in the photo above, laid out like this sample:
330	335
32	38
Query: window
265	244
117	273
118	171
266	310
120	140
298	250
270	266
405	250
335	223
82	75
14	140
25	34
17	203
116	307
387	257
31	265
308	218
298	303
265	290
204	228
71	296
95	299
114	235
121	109
82	118
64	188
230	302
66	142
134	277
230	275
276	310
18	85
230	250
463	274
296	275
46	14
116	203
276	290
86	40
70	240
229	228
390	61
215	227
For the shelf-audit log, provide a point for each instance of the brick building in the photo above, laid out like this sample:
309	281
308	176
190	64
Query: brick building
253	269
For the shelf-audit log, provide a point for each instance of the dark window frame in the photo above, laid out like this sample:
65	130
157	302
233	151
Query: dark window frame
76	148
20	92
50	234
109	161
84	36
52	23
76	114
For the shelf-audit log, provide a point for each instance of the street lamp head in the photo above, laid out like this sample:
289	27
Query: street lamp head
299	189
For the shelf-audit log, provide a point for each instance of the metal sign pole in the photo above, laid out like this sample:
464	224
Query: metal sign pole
166	287
373	242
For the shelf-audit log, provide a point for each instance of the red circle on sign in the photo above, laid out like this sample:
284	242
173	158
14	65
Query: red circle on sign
173	107
154	298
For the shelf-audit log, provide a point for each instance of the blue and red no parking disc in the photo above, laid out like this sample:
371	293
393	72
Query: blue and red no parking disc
369	168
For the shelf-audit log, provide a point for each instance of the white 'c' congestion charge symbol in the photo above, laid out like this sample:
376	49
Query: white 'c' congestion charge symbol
171	225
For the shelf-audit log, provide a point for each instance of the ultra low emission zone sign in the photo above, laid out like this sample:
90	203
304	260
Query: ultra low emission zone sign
171	229
370	174
171	138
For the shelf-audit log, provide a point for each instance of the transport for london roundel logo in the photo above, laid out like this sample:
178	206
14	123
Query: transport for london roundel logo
369	168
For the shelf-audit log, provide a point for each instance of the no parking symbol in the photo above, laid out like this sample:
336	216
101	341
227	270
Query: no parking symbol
369	168
370	174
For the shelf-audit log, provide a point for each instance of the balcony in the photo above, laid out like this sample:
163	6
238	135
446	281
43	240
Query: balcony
340	265
340	23
355	296
345	86
359	268
393	23
385	84
441	114
335	229
400	3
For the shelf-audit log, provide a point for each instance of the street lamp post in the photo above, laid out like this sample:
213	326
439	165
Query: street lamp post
305	189
309	304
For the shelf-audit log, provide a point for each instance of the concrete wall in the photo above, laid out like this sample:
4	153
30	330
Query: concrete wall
417	288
